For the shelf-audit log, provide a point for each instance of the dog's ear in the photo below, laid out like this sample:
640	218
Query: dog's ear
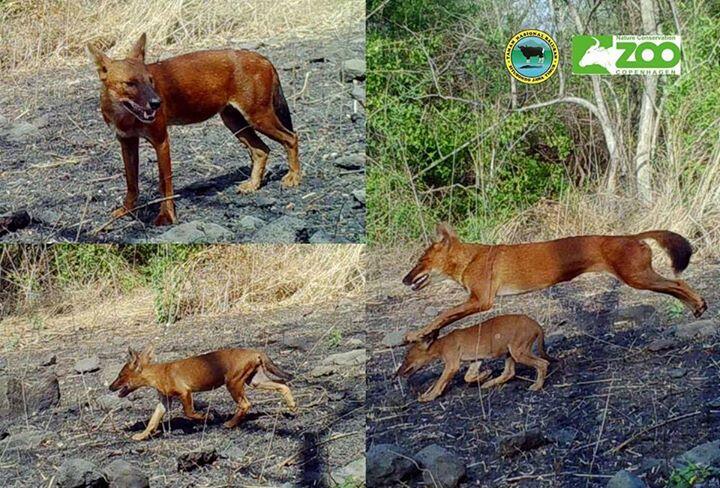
101	60
147	355
138	50
427	341
445	233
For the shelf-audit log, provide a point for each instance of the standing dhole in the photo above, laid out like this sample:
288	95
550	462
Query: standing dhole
140	100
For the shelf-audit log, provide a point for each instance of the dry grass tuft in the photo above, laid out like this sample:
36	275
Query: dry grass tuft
48	33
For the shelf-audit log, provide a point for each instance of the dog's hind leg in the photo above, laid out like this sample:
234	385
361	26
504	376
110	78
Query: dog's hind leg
527	358
152	424
241	128
236	387
271	126
189	409
262	382
507	374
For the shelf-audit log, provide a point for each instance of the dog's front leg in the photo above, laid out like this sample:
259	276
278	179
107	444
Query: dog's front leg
167	206
152	424
129	146
440	384
448	317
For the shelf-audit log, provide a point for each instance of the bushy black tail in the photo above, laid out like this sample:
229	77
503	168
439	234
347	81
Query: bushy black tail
281	107
274	368
677	247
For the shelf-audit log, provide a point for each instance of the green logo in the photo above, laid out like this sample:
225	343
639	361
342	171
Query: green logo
625	55
531	56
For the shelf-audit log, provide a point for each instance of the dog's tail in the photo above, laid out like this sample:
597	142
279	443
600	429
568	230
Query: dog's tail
274	368
281	107
677	247
541	346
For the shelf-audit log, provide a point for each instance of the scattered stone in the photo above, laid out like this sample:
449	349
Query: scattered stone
554	340
355	342
196	459
351	162
388	465
677	372
25	440
285	230
14	221
707	454
22	132
431	312
359	195
352	474
441	467
79	473
250	224
394	338
564	436
320	237
358	93
636	313
87	365
698	329
338	362
294	342
661	345
353	69
18	397
625	479
122	474
49	360
233	452
262	201
524	441
195	232
110	402
714	403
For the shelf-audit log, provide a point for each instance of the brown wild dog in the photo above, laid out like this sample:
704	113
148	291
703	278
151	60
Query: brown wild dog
511	336
234	368
487	271
140	100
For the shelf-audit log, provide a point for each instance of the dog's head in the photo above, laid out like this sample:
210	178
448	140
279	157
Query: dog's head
130	377
128	83
417	356
435	258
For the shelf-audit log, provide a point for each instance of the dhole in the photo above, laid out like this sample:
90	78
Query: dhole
233	368
140	100
487	271
512	336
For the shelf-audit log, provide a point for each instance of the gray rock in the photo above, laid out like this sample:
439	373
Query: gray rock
441	468
250	224
636	313
565	436
122	474
351	162
714	403
677	372
320	237
431	312
87	365
555	339
358	93
285	230
359	195
337	363
394	338
294	342
79	473
25	440
196	459
625	479
3	364
354	342
697	329
524	441
110	402
195	232
707	454
353	69
49	360
661	345
262	201
351	474
27	395
22	132
388	465
233	452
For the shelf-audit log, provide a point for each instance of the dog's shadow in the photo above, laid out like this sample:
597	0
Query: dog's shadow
179	424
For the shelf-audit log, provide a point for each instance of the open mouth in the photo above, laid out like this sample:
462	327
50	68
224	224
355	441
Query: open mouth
124	391
144	116
420	281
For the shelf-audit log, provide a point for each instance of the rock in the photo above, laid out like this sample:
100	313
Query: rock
358	93
351	162
122	474
565	436
524	441
636	313
352	474
354	342
18	397
49	360
677	372
285	230
87	365
14	221
339	362
359	195
22	132
195	232
431	312
3	364
697	329
25	440
262	201
352	69
79	473
110	402
661	345
394	338
233	452
707	454
320	237
196	459
714	403
441	468
388	465
625	479
554	340
250	224
294	342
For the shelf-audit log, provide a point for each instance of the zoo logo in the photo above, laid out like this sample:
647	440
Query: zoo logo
625	55
531	56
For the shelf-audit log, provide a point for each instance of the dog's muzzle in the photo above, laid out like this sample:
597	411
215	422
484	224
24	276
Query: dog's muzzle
420	281
146	116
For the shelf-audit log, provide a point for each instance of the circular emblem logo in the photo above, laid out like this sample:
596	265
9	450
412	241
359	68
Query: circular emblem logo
531	56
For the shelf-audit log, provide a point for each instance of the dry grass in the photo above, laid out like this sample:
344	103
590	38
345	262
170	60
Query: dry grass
50	33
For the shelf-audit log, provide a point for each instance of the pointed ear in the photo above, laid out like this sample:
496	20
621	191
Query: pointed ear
138	50
445	233
147	355
101	60
427	341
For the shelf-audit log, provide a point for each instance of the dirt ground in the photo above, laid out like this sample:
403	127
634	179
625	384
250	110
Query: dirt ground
269	448
606	387
62	164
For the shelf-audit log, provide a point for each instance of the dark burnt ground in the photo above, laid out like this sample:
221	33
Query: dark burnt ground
65	168
604	372
268	448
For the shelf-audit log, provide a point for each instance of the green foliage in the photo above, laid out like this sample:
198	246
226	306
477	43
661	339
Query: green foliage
80	265
334	338
675	309
689	476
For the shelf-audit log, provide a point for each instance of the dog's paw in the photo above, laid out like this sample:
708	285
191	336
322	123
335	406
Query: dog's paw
164	219
119	213
229	424
425	397
140	437
291	179
248	186
535	387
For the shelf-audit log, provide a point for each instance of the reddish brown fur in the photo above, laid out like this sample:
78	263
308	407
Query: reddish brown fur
511	336
487	271
233	368
242	86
